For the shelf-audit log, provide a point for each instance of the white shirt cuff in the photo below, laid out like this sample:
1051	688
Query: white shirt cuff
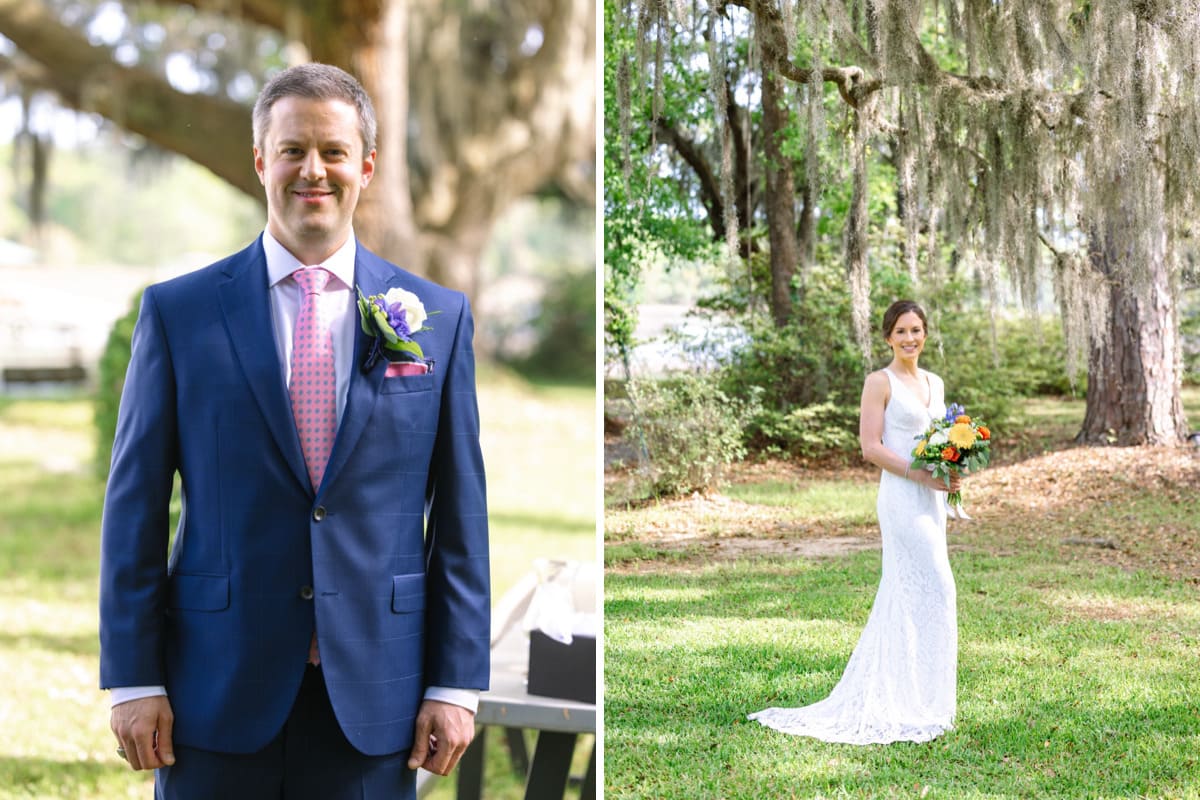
123	694
466	698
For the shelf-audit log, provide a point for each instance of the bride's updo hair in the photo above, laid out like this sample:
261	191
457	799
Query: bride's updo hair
899	309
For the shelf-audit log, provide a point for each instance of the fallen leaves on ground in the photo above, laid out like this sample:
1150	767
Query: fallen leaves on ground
1126	506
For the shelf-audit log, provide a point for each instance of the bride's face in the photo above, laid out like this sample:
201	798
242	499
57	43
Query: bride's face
907	338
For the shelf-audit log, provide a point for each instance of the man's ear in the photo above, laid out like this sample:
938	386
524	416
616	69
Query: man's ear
368	168
259	166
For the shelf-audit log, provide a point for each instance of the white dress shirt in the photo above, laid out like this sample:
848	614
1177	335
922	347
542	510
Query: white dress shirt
285	307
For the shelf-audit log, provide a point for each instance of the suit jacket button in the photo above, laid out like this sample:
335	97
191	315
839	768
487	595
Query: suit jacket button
319	513
306	593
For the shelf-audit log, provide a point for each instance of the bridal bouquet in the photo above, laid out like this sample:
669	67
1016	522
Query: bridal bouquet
952	445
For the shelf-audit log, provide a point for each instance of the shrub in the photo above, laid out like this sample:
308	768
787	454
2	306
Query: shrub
688	429
111	380
814	431
565	327
810	372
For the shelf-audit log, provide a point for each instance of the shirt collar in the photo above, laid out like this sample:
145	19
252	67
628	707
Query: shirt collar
281	263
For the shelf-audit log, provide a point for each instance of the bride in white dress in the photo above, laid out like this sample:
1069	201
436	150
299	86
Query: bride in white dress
900	682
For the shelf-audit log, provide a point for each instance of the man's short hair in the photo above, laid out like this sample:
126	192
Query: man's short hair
315	82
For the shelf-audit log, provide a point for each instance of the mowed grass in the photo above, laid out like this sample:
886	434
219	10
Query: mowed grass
539	446
1056	697
1077	678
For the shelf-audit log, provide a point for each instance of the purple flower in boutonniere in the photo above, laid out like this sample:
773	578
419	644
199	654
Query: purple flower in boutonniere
392	320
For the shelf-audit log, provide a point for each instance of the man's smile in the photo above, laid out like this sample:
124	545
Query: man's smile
313	195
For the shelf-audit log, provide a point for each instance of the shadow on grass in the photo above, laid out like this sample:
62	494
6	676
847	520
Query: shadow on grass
795	589
1049	705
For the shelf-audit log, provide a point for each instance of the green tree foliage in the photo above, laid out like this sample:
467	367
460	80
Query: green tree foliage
1038	142
644	218
565	327
690	429
114	361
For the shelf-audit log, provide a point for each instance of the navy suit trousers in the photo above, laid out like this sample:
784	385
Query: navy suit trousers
310	759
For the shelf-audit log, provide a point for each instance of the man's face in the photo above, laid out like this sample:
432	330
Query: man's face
313	167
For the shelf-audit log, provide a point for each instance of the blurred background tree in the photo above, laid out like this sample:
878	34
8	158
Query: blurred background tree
480	105
125	158
996	161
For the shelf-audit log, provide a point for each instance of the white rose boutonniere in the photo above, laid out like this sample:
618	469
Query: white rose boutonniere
393	319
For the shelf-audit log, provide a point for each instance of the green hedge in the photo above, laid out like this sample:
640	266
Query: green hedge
114	361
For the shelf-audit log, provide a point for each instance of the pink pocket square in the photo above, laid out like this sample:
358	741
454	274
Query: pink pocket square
399	368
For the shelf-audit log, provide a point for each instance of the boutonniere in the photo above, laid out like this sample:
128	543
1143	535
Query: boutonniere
392	320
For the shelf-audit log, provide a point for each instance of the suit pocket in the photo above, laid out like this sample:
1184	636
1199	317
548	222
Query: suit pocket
403	384
199	592
408	593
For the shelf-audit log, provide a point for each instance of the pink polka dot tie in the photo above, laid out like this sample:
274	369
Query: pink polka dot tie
314	384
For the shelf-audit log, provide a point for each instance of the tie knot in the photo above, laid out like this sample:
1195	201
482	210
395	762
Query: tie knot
312	279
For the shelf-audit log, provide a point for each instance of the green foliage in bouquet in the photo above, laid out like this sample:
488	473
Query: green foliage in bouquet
956	443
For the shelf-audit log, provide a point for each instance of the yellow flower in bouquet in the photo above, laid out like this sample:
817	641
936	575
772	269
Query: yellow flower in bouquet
961	435
954	444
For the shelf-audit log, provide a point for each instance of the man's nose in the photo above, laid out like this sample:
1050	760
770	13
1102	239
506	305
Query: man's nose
312	167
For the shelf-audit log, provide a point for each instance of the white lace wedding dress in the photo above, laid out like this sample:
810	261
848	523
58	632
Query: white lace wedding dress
900	682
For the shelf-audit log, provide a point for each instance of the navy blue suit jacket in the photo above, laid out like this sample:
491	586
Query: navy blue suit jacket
388	559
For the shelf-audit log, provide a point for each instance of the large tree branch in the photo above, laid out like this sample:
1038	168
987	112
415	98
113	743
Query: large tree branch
268	13
850	81
209	130
710	191
853	84
326	27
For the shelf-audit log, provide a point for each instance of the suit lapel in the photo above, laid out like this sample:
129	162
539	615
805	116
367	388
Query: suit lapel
245	304
373	276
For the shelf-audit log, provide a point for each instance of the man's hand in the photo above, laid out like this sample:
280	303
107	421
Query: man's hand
143	728
442	734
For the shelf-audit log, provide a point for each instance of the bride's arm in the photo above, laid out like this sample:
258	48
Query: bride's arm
875	398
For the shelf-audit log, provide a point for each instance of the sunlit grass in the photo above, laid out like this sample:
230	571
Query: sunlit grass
539	449
845	501
1076	678
1051	704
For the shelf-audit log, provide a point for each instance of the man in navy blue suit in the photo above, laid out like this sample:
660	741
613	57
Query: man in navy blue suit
320	627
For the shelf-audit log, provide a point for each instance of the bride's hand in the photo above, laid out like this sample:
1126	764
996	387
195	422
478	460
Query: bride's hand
939	484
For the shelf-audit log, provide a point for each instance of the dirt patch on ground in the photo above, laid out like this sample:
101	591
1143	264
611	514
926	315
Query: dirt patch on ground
1118	506
1110	609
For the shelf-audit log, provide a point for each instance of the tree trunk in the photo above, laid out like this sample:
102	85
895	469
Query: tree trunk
806	236
857	221
1134	377
780	199
384	218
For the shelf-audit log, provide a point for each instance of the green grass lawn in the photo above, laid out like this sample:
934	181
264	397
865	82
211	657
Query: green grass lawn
539	445
1077	669
1073	682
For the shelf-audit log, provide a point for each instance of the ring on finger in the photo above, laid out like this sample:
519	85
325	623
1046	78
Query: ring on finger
121	752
